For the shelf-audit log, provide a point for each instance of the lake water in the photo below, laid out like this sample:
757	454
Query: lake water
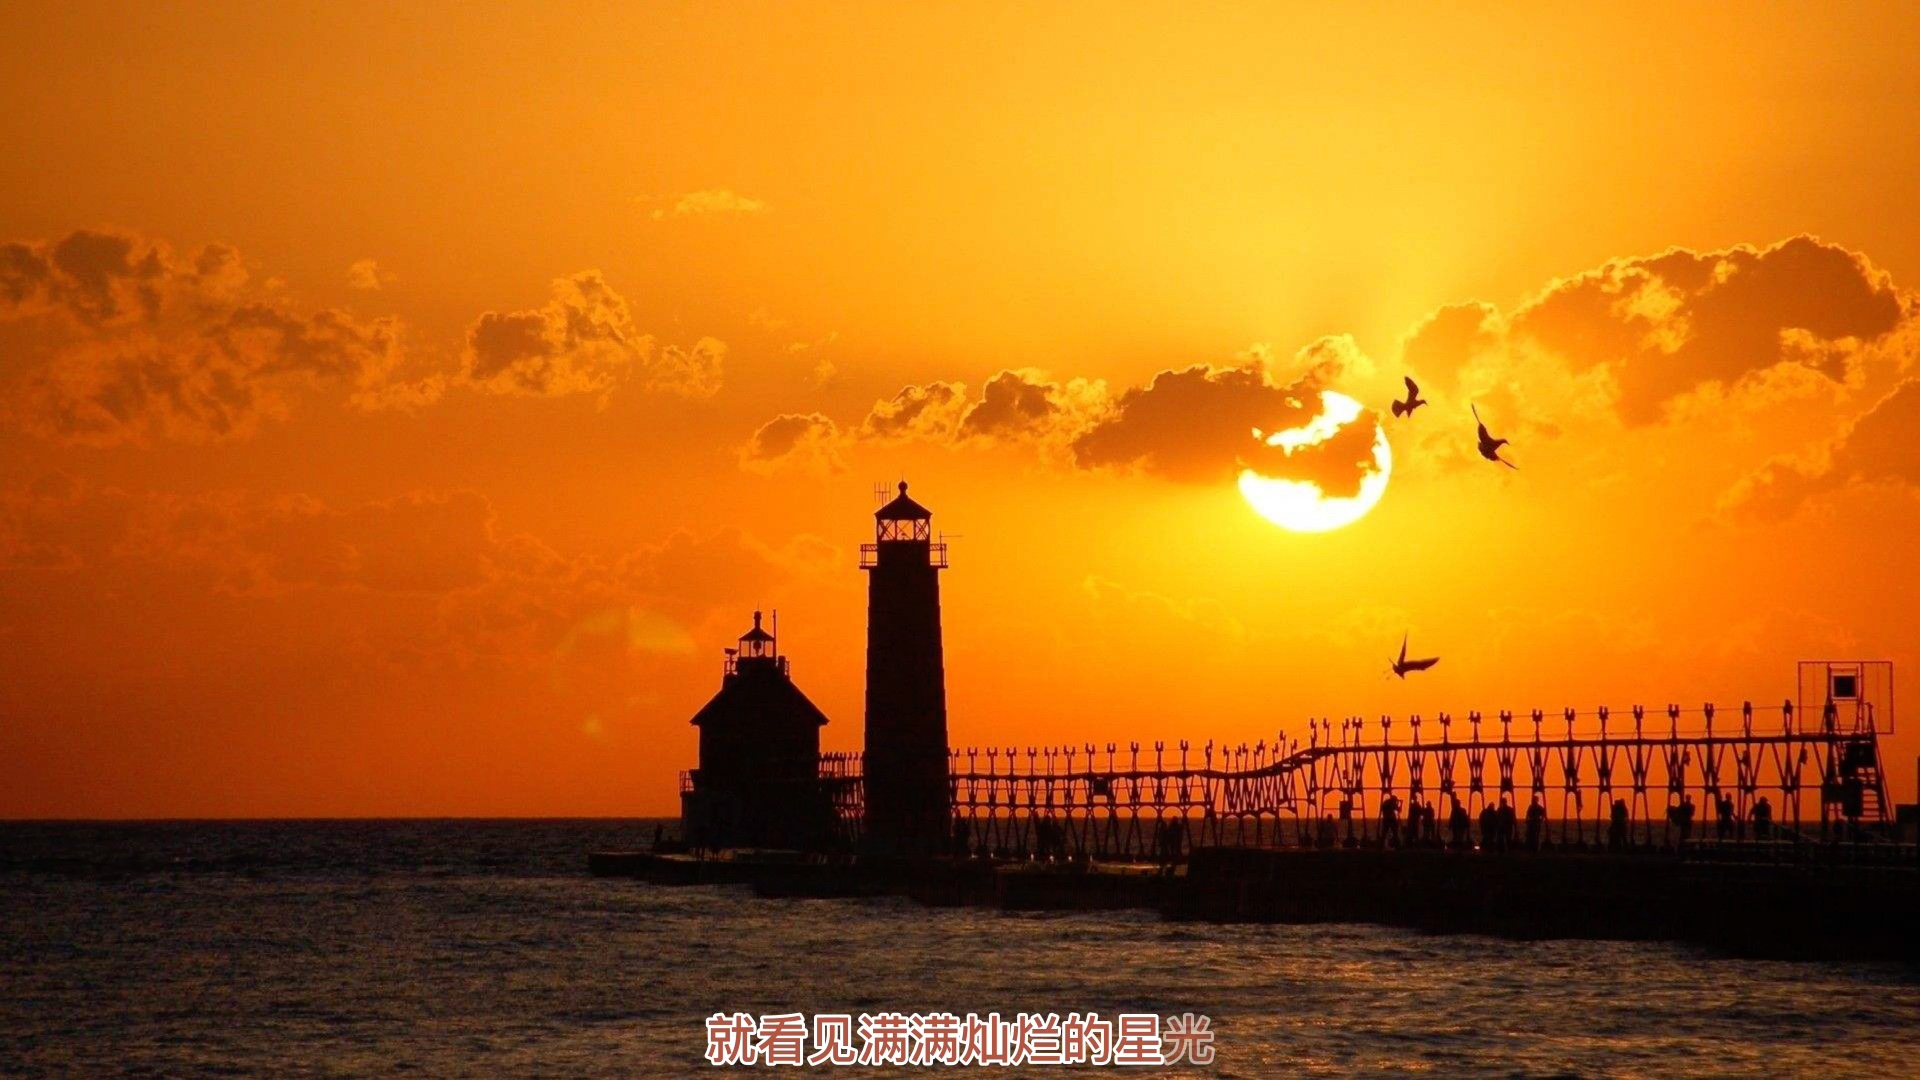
482	948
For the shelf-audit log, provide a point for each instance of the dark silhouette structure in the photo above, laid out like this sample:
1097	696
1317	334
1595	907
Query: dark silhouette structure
1588	780
907	794
758	782
1800	804
1404	665
1490	446
1414	400
1108	800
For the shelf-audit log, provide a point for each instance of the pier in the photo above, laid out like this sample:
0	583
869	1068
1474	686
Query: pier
1764	830
1752	832
1820	904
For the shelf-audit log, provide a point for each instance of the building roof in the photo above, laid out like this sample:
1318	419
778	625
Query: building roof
759	697
903	509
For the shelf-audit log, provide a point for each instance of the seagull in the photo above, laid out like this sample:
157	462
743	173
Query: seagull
1404	665
1414	400
1490	446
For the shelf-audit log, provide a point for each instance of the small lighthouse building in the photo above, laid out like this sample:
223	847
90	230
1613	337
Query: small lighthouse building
757	785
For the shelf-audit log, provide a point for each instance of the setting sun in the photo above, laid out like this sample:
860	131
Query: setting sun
1296	499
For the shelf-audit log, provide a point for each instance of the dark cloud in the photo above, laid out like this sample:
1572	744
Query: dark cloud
1014	404
92	277
1331	360
116	340
1885	443
691	371
809	441
1880	446
328	344
93	273
583	341
104	393
1198	425
1193	425
498	344
1621	341
1666	324
1336	464
428	575
24	272
929	412
1447	340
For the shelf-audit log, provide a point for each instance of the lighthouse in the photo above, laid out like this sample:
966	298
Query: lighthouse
907	795
758	782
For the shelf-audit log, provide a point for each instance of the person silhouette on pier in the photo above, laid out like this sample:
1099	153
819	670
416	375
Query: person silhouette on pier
1683	818
1171	838
1506	824
1536	824
1724	817
1390	821
1460	823
1617	826
1763	819
1325	834
1489	827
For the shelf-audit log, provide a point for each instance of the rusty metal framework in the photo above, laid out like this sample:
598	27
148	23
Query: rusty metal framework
1817	778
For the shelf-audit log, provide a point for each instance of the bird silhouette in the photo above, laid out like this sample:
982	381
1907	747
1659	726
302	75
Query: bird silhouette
1404	665
1414	400
1490	446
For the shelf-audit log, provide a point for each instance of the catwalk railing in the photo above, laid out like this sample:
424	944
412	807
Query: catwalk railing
1602	778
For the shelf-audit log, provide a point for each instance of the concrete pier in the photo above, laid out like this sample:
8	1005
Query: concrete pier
1747	909
1753	909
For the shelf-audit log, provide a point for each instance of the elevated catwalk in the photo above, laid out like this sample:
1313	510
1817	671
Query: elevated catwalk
1797	772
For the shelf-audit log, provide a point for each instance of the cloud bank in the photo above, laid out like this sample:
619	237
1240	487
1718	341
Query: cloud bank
1193	424
583	341
115	339
1646	332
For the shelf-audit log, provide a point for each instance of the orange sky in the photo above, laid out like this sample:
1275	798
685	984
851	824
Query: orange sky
400	409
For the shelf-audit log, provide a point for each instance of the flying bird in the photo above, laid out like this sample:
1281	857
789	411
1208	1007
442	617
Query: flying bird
1414	400
1490	446
1404	665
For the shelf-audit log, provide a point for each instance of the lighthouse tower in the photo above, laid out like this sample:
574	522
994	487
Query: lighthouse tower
907	795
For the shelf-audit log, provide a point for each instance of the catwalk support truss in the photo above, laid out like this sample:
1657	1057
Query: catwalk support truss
1678	773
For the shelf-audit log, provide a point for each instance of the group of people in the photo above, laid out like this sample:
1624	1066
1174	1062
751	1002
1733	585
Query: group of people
1726	820
1499	824
1501	827
1410	824
1050	843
